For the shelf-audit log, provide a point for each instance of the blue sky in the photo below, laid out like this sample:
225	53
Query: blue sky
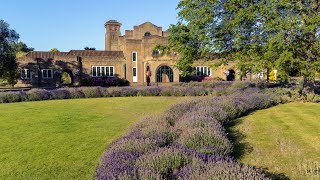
74	24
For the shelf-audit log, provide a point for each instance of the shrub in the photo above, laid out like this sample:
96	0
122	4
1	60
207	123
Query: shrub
75	93
104	81
92	92
205	140
131	144
241	84
149	91
164	161
223	169
38	94
158	130
116	163
8	97
60	94
86	82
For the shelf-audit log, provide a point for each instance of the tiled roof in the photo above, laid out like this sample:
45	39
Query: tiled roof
96	53
88	53
44	55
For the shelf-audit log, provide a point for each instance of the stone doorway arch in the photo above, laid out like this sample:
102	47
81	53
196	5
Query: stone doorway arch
164	74
67	77
232	75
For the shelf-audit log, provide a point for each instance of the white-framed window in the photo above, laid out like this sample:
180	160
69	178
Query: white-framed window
134	66
203	71
102	71
47	73
134	71
25	74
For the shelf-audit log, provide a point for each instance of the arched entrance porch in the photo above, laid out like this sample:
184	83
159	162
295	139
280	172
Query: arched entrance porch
67	77
164	74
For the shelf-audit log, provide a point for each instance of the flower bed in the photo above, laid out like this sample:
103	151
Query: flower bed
95	92
179	89
188	141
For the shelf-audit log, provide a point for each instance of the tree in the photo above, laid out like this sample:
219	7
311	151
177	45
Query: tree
20	46
259	35
54	50
21	49
89	48
8	65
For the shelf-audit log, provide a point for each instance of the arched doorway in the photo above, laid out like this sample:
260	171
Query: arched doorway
67	77
164	74
232	75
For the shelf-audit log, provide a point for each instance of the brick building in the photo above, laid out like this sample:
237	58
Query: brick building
125	56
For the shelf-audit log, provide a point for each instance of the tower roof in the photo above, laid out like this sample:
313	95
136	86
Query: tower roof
112	22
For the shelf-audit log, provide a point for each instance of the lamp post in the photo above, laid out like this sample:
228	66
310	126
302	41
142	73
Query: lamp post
275	74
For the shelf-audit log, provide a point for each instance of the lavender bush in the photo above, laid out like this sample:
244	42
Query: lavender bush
37	95
188	141
96	92
7	97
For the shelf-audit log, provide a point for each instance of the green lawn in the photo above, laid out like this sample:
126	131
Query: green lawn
64	139
284	139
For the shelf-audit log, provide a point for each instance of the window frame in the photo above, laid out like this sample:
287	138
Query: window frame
104	71
26	72
203	71
47	71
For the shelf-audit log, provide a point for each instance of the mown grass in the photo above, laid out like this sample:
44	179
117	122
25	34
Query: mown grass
285	140
64	139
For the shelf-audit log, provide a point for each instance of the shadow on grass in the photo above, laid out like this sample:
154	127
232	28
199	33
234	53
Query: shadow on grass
242	148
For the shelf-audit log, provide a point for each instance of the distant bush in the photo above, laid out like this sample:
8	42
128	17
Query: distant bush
104	81
37	95
7	97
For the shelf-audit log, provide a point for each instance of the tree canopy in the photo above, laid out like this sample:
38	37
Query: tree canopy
89	48
8	65
21	49
259	35
54	50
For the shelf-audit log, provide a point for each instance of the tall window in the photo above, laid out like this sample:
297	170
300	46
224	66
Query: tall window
134	66
134	72
203	71
134	56
47	73
102	71
25	74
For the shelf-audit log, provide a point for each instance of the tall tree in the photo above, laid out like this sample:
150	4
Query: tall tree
21	49
8	65
258	35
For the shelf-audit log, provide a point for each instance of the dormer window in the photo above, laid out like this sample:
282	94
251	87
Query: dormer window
147	34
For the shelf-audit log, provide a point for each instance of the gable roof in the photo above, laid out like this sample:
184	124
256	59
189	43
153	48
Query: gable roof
148	22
